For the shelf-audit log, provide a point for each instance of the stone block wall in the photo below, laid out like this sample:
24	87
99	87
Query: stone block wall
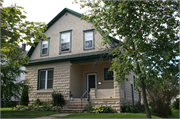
61	80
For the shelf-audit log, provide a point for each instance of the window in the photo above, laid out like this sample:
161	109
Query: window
44	47
89	39
108	75
65	41
45	80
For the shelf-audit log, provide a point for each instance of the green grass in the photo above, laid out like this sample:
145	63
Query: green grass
175	114
6	108
108	115
25	114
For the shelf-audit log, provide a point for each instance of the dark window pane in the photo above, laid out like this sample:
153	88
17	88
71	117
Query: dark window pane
65	46
50	84
42	84
108	74
50	74
88	44
44	51
43	75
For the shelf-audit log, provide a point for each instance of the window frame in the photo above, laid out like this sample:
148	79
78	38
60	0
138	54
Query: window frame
46	79
62	32
107	79
47	48
93	42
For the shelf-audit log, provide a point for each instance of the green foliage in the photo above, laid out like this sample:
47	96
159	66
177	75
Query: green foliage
101	109
15	29
58	99
39	108
24	97
161	94
175	104
147	33
37	102
133	109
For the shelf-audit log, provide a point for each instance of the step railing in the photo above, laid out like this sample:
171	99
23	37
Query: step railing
84	99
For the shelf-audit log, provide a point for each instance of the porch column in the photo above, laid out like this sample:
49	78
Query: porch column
117	94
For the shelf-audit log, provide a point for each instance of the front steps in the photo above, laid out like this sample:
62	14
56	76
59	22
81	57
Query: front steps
74	105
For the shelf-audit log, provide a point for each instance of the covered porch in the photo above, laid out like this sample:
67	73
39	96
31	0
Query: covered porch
93	77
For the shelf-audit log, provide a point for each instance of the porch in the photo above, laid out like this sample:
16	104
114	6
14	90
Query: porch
91	77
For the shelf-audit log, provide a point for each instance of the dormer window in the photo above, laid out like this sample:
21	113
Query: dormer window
65	41
44	47
89	39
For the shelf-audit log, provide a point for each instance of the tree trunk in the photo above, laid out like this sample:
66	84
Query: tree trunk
145	99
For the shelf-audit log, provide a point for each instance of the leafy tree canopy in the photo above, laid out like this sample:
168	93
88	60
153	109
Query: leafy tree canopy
147	33
15	29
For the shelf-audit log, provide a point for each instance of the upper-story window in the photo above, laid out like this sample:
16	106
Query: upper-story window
44	47
89	39
65	41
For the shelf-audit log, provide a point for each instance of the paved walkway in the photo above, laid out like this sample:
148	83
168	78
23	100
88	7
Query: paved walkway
53	116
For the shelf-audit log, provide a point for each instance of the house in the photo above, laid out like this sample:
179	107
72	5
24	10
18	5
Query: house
72	61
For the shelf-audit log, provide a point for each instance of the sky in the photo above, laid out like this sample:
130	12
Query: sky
43	10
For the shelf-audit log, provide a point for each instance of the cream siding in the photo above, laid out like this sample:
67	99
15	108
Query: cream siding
75	81
67	22
98	68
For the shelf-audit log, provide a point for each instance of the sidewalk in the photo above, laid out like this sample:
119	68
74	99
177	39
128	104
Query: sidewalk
53	116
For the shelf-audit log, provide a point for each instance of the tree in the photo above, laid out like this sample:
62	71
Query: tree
161	91
25	97
147	33
15	29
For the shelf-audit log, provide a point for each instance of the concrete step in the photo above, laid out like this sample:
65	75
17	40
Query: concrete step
72	110
73	107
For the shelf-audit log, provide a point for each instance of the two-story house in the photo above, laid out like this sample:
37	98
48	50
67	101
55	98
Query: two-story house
73	61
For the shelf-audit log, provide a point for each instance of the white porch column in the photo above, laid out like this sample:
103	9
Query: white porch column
117	93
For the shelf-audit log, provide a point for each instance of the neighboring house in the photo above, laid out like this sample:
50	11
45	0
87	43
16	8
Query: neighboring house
72	61
21	77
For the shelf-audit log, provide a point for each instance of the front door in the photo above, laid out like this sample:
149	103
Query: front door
91	81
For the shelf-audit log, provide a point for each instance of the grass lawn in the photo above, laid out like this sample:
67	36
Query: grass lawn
24	114
6	108
108	115
175	114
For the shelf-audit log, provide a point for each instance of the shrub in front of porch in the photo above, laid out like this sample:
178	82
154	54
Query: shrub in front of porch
133	109
101	109
58	99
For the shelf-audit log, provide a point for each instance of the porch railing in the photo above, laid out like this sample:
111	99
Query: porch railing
82	97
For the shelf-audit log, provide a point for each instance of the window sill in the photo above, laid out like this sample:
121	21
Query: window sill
65	52
89	49
44	55
107	81
44	91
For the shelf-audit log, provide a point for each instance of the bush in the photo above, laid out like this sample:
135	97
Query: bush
175	104
24	97
133	109
37	102
58	99
102	109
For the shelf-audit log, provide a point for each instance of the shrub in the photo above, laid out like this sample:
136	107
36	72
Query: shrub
58	99
175	104
37	102
102	109
133	109
24	97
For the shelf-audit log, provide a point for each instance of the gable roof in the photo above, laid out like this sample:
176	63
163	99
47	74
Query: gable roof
56	18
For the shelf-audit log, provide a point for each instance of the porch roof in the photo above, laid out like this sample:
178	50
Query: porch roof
75	58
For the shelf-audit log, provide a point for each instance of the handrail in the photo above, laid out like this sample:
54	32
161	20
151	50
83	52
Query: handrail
82	97
67	93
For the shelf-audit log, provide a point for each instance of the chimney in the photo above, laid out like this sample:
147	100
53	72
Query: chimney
24	46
